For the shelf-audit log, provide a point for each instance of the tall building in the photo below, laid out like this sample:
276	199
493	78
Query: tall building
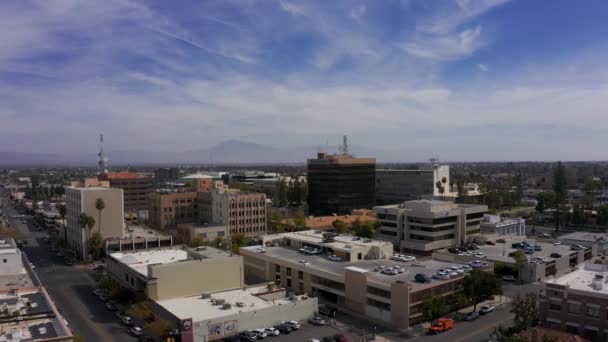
166	210
422	226
242	212
82	200
136	188
339	183
396	186
162	175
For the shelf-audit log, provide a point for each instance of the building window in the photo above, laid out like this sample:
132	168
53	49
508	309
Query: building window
277	268
378	304
300	275
574	308
378	292
289	282
4	261
288	271
555	307
593	311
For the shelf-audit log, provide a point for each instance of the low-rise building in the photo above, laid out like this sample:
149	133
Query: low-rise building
495	224
138	238
596	241
577	302
355	284
211	316
186	233
27	312
423	226
175	271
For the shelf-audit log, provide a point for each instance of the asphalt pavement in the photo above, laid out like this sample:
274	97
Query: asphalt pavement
70	287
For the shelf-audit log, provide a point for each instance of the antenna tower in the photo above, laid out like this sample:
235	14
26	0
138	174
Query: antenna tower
344	147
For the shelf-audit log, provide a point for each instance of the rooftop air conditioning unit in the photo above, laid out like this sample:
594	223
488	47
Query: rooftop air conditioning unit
220	301
205	295
293	297
226	306
598	282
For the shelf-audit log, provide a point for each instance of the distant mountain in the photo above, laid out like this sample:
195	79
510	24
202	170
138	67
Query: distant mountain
227	152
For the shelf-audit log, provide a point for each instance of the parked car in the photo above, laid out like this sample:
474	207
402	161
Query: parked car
441	276
334	257
471	316
486	309
454	250
422	278
98	267
261	250
328	339
294	324
340	338
284	328
528	250
441	325
557	243
490	243
500	241
272	331
247	336
555	255
111	306
545	235
126	320
103	297
259	333
509	278
136	331
577	247
316	320
390	271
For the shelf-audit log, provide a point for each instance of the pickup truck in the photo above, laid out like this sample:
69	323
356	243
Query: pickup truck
442	324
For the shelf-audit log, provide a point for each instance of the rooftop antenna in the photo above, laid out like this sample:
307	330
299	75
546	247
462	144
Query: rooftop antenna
102	167
344	148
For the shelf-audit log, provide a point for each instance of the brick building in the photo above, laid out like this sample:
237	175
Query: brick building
166	210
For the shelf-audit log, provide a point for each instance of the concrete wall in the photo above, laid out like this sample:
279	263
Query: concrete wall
297	310
194	277
355	294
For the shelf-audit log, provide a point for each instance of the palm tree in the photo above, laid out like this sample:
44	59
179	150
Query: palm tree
99	205
83	220
90	225
62	212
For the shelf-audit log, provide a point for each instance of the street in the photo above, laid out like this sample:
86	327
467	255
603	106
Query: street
70	287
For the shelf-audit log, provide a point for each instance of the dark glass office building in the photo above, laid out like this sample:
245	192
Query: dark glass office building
339	183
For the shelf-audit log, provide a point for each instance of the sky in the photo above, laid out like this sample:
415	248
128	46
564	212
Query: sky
455	79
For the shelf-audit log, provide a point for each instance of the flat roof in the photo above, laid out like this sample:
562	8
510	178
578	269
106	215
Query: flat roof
15	281
202	309
585	236
139	261
133	232
338	269
344	242
581	279
500	251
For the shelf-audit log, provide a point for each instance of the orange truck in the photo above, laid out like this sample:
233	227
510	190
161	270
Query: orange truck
442	324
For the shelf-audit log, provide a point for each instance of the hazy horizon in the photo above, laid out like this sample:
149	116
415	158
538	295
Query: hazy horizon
468	80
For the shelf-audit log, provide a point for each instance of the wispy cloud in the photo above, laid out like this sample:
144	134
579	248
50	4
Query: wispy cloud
446	47
358	12
291	8
482	67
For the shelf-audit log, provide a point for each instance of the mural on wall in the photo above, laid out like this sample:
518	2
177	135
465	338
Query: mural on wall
215	329
229	327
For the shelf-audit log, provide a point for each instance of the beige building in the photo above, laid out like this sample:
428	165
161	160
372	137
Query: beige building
212	316
357	284
82	200
187	232
242	212
422	226
173	272
138	238
166	210
577	302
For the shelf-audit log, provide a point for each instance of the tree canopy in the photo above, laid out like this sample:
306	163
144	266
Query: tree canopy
480	285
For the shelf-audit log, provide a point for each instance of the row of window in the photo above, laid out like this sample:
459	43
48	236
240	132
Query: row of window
575	309
431	238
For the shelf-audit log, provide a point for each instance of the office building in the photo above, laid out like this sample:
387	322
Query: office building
136	188
242	212
339	183
598	242
174	272
29	314
211	316
423	226
109	222
577	303
355	282
396	186
186	233
166	210
494	224
162	175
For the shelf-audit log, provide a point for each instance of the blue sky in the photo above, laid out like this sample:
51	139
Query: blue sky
458	80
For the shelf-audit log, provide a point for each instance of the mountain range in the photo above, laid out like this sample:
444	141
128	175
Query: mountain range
227	152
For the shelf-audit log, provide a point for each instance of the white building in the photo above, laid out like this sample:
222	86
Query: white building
109	223
422	226
12	260
494	224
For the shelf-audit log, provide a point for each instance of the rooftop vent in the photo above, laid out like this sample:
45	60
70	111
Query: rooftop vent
220	301
226	306
598	282
293	297
205	295
240	304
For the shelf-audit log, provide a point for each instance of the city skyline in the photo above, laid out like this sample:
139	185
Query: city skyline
458	80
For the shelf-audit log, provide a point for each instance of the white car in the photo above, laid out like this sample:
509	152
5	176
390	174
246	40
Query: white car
335	258
486	309
390	271
441	276
294	324
260	333
466	268
457	269
261	250
479	255
408	258
272	331
557	243
396	257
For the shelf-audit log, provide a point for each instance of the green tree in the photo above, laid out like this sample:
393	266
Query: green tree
274	221
282	193
440	188
480	285
90	225
96	245
520	262
459	301
299	218
197	241
525	310
83	222
238	240
339	226
365	229
62	213
433	308
559	187
139	310
99	205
